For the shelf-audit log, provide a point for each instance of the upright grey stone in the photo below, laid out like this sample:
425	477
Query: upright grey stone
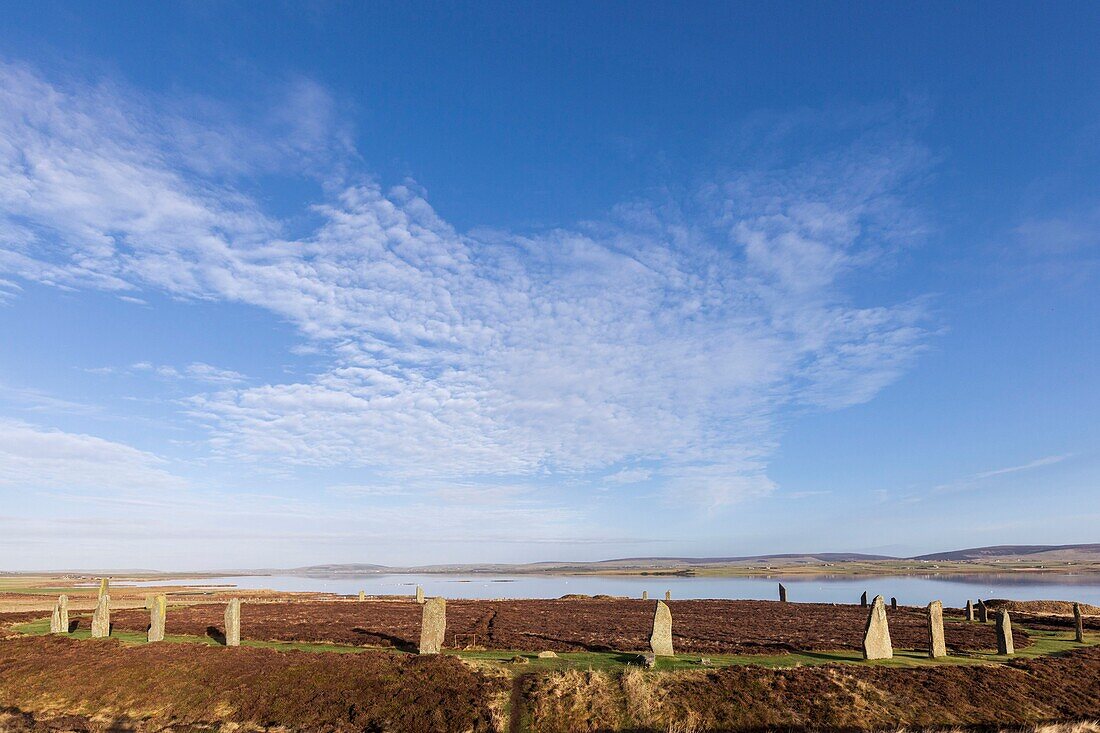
863	600
983	612
1078	624
668	595
969	610
893	604
433	625
876	637
645	595
1004	633
104	587
936	646
101	619
362	595
157	615
782	593
419	594
233	622
59	621
660	640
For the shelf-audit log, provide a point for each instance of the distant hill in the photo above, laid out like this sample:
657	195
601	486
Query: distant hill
1059	553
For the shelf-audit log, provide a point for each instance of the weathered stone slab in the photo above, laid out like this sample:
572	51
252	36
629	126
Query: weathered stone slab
419	594
983	612
936	646
1004	633
893	604
863	600
104	587
362	595
660	640
876	637
548	655
101	619
782	593
1078	623
233	622
157	616
969	611
433	625
59	621
668	595
645	595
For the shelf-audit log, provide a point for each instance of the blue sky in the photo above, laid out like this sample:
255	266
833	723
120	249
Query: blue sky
294	283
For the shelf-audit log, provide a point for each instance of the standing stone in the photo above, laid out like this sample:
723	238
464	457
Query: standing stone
668	595
936	646
233	622
433	625
157	616
1004	633
876	638
645	595
101	619
362	595
104	587
863	600
983	612
419	594
782	593
660	641
969	610
1078	624
59	622
893	604
150	602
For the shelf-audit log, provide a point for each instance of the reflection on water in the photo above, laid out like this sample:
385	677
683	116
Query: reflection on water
953	590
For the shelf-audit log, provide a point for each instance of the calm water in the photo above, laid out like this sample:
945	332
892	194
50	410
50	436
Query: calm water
909	590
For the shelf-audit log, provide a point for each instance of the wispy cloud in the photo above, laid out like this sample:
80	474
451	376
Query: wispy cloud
975	480
674	332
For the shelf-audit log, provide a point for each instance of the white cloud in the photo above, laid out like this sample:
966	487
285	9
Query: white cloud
33	457
674	332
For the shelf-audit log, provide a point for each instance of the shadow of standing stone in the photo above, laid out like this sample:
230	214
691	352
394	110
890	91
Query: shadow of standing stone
936	646
876	637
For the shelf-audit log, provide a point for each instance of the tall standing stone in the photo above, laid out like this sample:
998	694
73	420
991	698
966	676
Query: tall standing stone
104	587
59	621
233	622
969	610
1004	633
362	595
668	595
782	593
1078	624
863	600
660	640
419	594
983	612
433	625
157	616
876	637
936	646
645	595
893	604
101	619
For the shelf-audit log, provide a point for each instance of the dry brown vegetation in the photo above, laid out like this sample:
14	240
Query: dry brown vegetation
114	684
699	627
835	697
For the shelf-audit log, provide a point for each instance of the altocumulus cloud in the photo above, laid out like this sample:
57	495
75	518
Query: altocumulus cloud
665	341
